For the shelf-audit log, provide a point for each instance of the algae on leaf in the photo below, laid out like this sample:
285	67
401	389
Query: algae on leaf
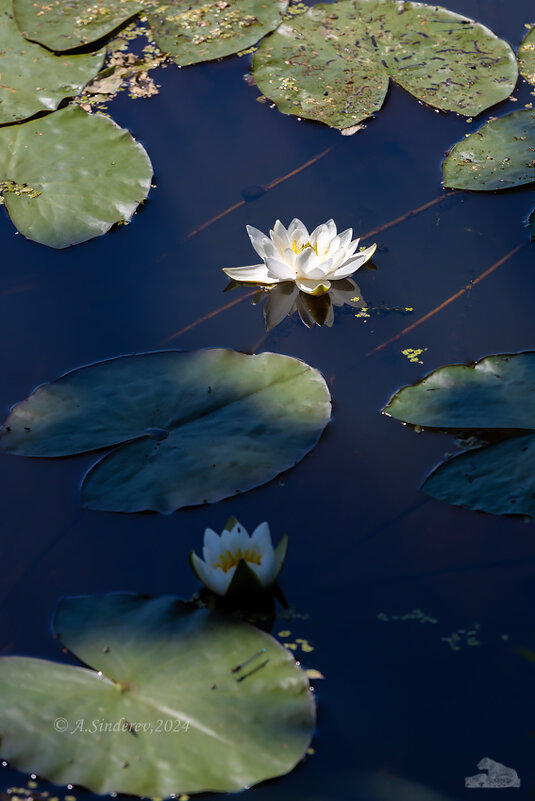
193	426
89	174
32	79
169	711
501	154
494	399
333	63
526	56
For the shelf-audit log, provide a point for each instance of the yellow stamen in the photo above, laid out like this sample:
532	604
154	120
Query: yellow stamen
298	248
228	559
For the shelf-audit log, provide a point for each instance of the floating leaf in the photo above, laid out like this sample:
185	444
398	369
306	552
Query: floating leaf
499	155
88	172
199	31
495	393
170	711
62	26
333	63
31	78
526	56
197	426
189	32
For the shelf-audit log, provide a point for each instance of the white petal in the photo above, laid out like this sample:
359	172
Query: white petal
333	246
298	232
290	258
345	237
305	261
280	237
236	538
352	265
312	286
266	569
262	538
258	240
280	270
280	554
212	546
254	274
351	248
215	580
323	269
338	258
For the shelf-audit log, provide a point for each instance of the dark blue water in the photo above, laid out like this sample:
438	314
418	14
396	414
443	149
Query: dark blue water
397	700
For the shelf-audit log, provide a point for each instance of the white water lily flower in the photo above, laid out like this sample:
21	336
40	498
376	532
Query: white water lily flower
250	560
311	260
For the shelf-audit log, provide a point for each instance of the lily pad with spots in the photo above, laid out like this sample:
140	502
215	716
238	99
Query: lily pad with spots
189	32
500	155
526	56
494	401
31	78
193	427
85	174
178	700
334	62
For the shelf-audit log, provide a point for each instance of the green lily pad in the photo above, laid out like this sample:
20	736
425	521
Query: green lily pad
196	426
526	56
499	155
63	26
333	63
497	394
165	710
189	32
88	174
31	78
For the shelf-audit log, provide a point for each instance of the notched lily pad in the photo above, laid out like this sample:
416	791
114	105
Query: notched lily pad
31	78
63	26
495	398
184	701
225	422
500	155
526	56
333	63
87	174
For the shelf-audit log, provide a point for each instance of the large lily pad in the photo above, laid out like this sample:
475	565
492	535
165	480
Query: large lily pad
169	710
526	56
88	172
333	63
501	154
496	394
32	79
197	426
198	30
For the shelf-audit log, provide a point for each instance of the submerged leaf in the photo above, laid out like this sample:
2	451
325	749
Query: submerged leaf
501	154
333	63
197	426
170	710
526	56
89	174
32	79
495	394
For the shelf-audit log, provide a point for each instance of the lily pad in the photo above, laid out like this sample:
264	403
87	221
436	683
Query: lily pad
63	26
167	709
500	155
87	171
31	78
333	63
497	395
195	426
189	32
526	56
